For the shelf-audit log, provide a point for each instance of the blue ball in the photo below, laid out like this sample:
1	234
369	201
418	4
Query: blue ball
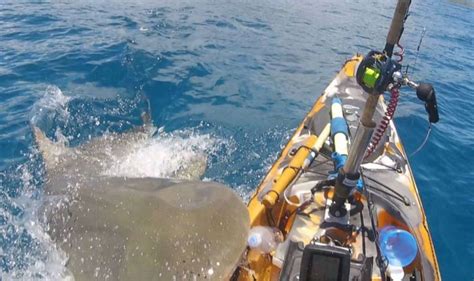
398	246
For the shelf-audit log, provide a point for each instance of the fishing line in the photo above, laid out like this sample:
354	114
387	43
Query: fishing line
417	52
423	143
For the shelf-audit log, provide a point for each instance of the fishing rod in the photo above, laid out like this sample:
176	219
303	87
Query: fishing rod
378	73
397	26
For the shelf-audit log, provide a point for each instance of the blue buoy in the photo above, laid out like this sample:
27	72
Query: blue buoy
398	246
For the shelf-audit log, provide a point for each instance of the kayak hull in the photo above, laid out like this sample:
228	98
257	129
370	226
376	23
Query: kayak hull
406	212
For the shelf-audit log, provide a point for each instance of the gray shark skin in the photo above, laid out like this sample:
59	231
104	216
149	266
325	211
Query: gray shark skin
94	157
116	228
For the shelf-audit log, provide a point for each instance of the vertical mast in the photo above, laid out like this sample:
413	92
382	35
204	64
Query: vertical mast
349	174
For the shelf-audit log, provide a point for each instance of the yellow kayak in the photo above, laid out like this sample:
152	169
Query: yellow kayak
293	200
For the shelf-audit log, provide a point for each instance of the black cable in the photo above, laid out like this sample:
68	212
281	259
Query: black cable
363	231
321	163
401	197
317	165
270	219
372	222
321	152
374	189
319	186
317	173
386	166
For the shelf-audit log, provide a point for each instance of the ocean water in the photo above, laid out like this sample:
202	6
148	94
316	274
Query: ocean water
229	78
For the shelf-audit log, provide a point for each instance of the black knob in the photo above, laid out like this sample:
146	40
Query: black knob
426	93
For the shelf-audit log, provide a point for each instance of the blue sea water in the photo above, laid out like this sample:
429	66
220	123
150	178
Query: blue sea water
232	78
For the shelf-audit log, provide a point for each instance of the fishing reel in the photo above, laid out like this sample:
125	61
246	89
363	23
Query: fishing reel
375	72
378	73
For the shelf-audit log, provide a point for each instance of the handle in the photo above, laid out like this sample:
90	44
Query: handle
426	93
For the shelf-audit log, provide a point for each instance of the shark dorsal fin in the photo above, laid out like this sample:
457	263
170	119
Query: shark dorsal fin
50	151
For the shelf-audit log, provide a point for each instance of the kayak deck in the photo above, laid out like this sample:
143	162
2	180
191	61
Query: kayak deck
388	185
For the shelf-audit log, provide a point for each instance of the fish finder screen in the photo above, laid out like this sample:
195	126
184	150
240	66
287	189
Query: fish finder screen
324	268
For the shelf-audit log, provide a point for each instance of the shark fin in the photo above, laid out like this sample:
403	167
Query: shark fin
50	150
146	119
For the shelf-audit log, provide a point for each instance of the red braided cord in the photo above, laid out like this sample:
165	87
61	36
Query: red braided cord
385	122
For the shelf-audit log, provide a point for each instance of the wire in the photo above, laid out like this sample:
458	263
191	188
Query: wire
270	219
372	222
417	52
363	233
317	173
290	186
316	165
423	143
402	198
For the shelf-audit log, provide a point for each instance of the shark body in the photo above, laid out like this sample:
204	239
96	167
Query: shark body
122	228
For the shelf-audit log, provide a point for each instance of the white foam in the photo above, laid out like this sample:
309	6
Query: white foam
46	262
180	154
43	260
52	104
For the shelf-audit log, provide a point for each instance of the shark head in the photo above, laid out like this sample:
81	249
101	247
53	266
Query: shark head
109	155
122	228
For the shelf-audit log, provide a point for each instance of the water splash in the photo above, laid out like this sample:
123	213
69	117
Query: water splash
50	108
179	154
26	252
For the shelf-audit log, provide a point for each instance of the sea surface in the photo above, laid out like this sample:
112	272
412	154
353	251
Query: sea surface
229	78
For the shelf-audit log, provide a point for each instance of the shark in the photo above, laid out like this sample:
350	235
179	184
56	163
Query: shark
123	228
